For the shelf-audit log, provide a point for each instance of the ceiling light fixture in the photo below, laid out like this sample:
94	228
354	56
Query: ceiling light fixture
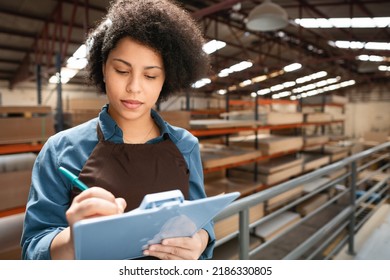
267	16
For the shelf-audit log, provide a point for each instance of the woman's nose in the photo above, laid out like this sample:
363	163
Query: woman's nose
133	85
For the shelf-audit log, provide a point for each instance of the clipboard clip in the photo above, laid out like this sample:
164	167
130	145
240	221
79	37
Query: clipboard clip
156	200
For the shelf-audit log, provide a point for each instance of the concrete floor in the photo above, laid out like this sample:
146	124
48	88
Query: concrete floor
372	242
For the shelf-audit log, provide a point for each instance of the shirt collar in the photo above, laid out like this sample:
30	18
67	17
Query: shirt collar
107	124
164	128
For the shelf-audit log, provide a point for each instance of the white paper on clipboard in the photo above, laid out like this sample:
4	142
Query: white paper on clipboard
160	215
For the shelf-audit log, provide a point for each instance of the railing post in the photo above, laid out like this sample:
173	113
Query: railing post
243	236
351	227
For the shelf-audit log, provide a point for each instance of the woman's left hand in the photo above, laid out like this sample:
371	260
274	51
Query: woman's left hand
180	248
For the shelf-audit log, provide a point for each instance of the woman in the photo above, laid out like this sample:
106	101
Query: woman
142	52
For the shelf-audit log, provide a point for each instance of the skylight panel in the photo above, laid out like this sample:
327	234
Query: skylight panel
213	46
358	22
292	67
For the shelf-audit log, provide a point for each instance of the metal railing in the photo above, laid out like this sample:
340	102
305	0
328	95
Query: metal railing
348	220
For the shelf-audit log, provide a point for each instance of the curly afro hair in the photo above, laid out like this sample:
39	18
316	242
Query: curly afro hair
160	24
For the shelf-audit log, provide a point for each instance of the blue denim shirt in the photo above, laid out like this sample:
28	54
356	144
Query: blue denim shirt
49	193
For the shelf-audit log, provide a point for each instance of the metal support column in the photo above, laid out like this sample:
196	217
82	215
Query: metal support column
39	84
243	236
59	116
188	99
227	109
351	227
256	135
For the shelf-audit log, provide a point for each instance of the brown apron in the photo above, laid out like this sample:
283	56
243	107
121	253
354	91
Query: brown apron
133	170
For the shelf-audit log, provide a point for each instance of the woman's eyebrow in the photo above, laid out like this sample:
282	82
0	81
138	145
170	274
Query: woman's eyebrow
129	64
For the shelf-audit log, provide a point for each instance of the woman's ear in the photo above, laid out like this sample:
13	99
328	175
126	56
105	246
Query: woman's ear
103	70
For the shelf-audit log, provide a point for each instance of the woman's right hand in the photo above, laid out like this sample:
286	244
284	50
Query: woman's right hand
94	202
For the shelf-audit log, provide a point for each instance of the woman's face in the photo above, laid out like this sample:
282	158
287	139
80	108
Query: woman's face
134	75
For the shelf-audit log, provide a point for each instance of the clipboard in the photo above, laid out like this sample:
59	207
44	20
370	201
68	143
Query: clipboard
159	216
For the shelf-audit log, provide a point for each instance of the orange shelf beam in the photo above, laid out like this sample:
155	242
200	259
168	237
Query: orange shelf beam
262	102
12	211
20	148
232	130
219	131
207	111
326	104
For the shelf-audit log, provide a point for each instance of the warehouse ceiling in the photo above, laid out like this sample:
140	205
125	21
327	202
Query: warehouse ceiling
45	32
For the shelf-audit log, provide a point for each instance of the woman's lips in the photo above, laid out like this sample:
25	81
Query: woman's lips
131	104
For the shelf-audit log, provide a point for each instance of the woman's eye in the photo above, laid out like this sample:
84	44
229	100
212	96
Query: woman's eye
150	77
120	71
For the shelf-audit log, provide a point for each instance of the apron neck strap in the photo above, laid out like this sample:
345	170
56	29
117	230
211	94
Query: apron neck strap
99	133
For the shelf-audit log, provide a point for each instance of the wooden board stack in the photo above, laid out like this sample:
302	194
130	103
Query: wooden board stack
219	123
276	170
284	198
314	142
277	225
229	225
177	118
315	184
266	118
25	124
226	185
215	155
317	117
15	179
328	99
80	110
269	144
311	204
336	152
312	161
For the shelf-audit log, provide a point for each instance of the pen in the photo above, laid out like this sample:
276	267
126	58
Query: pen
73	179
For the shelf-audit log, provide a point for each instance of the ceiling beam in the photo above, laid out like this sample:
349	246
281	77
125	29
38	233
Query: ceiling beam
214	8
